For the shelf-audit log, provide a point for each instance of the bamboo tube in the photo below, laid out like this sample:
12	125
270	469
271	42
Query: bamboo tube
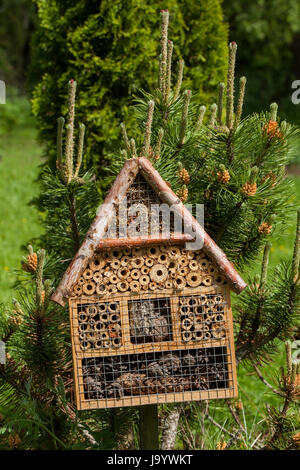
112	289
179	282
163	258
104	317
103	335
194	279
89	288
113	279
173	265
125	260
153	252
192	301
199	309
77	289
184	310
183	300
158	273
82	336
199	323
116	254
81	281
84	327
105	343
193	265
169	284
123	286
84	345
153	285
183	261
144	280
97	277
174	251
114	307
218	299
203	299
98	344
183	271
135	274
187	335
115	264
82	316
186	324
213	271
114	318
116	342
135	286
219	317
102	307
149	262
137	251
203	264
87	274
91	310
137	262
207	280
99	326
100	289
198	335
97	263
220	279
219	330
123	273
145	270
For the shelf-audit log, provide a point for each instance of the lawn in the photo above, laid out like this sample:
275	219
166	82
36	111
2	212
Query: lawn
20	157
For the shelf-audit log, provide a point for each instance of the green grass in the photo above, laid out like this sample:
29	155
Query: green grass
20	157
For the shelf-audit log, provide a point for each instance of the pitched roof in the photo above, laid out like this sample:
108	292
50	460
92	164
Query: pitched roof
95	238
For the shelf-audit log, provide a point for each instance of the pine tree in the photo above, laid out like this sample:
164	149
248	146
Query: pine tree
236	168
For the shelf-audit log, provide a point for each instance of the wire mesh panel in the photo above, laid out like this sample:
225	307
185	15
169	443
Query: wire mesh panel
155	373
154	361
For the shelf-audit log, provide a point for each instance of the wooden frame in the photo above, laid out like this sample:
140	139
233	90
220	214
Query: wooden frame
176	344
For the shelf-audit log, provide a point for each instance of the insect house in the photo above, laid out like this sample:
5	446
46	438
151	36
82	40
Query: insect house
150	319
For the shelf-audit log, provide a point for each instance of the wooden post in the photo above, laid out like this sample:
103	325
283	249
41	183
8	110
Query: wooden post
148	427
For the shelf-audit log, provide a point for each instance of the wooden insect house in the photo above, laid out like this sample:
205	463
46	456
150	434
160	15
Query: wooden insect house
150	319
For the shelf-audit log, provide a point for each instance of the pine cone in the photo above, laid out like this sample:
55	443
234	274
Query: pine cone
184	176
223	176
183	194
296	439
271	129
14	441
221	445
249	189
31	264
265	228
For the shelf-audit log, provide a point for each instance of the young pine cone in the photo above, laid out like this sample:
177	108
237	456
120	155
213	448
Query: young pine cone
265	228
184	176
223	176
271	129
249	189
296	439
31	263
271	176
183	193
